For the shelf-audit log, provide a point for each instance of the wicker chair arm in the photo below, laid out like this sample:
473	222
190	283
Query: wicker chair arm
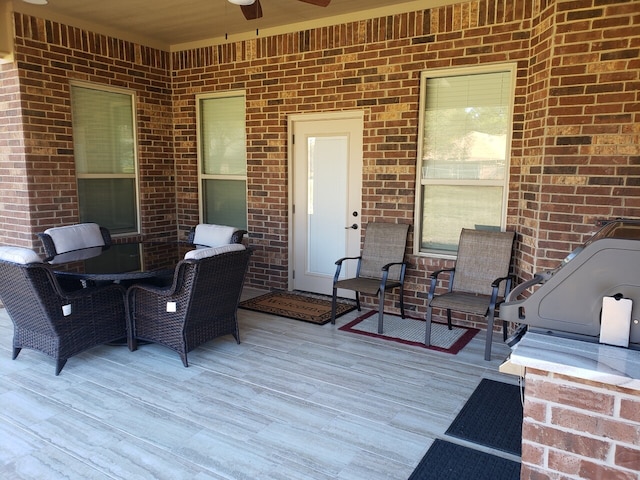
47	243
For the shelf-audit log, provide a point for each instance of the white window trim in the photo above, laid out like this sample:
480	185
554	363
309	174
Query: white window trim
448	72
202	176
136	171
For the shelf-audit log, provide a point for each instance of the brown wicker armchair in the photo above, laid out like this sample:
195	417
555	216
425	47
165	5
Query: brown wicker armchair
46	318
200	305
215	235
68	238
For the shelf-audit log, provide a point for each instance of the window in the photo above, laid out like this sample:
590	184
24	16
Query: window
464	142
104	145
223	159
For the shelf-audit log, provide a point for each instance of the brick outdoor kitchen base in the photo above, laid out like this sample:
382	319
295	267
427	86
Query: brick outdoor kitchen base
581	411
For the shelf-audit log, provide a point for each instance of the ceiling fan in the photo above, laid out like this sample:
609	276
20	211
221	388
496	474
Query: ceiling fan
251	9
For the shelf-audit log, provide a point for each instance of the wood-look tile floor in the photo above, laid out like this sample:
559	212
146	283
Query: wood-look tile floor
292	401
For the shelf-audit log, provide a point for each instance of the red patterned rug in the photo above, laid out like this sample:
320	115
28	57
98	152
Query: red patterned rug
410	331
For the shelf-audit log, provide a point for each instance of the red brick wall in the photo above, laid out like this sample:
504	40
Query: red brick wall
50	55
15	191
575	155
579	429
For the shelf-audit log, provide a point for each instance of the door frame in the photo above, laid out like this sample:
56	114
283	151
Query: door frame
291	120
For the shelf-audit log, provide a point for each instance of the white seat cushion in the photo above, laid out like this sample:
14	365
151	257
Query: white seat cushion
213	235
212	251
19	255
73	237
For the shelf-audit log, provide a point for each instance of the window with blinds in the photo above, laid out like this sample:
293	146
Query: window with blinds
104	144
223	159
463	154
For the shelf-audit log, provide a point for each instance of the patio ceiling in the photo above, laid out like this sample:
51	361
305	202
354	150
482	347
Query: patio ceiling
181	24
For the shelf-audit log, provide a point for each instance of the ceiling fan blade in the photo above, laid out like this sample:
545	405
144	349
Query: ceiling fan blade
253	11
319	3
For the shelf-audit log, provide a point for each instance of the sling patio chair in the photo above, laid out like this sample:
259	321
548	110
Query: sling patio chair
380	267
200	305
48	319
478	283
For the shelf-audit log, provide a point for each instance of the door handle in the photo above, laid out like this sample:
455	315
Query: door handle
353	227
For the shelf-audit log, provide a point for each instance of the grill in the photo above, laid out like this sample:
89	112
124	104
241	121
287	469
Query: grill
594	294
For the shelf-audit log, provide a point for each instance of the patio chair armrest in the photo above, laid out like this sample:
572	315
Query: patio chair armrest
47	243
435	274
338	264
386	267
238	235
434	281
152	289
496	283
340	260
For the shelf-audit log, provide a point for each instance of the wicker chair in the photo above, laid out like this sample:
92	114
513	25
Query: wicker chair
46	318
478	283
209	235
381	267
58	240
199	306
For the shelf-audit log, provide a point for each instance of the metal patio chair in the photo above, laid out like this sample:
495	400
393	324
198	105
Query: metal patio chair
478	283
381	267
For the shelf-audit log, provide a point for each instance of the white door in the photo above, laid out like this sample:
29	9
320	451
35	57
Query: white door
325	197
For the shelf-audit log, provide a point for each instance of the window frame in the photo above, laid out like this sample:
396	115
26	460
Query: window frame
136	167
202	177
419	219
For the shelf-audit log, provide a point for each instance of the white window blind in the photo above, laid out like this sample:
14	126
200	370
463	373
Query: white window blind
105	157
223	159
463	157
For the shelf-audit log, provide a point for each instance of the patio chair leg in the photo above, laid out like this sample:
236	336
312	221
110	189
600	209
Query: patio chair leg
334	306
401	301
427	335
487	346
60	365
380	310
449	319
504	330
16	351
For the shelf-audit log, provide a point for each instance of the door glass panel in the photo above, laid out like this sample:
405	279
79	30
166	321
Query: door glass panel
326	187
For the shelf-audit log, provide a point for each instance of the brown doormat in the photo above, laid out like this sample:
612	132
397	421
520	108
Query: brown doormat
299	306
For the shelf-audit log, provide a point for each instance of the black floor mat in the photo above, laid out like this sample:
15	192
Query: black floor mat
491	417
448	461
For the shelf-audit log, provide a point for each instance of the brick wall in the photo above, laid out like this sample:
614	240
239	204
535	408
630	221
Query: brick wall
577	429
15	191
49	56
575	156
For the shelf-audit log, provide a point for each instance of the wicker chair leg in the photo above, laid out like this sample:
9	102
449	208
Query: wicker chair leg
183	356
60	365
16	351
